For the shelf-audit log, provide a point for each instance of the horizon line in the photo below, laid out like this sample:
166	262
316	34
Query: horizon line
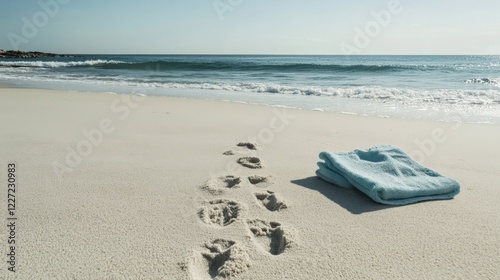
258	54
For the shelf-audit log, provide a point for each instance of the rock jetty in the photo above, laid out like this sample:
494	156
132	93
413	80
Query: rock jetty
21	54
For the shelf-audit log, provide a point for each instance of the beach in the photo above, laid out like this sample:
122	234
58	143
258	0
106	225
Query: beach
113	186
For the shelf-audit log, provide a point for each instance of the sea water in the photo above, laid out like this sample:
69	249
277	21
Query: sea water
444	88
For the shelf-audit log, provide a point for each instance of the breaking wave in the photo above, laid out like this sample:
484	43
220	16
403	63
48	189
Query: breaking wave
489	81
217	66
58	64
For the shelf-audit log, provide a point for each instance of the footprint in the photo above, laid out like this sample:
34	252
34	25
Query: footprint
271	201
248	145
261	181
217	185
220	212
224	259
270	236
238	152
250	162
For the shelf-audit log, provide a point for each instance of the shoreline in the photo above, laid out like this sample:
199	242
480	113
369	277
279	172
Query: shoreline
131	204
7	85
452	118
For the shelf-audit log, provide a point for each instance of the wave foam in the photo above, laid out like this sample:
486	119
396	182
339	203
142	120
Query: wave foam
383	94
473	97
490	81
57	64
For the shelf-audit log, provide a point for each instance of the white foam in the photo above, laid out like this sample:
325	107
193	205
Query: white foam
55	64
489	81
348	113
407	96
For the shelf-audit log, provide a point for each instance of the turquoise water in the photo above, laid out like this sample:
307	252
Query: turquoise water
448	88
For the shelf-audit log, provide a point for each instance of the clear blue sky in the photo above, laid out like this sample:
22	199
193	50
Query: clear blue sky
250	27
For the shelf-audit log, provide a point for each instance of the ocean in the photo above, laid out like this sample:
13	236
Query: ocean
442	88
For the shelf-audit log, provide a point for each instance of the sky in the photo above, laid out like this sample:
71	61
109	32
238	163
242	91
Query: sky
251	26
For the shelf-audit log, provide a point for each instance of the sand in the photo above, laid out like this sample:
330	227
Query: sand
123	187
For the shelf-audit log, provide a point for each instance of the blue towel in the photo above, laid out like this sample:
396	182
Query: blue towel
387	175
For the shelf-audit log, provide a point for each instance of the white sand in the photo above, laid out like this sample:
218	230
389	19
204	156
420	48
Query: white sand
143	204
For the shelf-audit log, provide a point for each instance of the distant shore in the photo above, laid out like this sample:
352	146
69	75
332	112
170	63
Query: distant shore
22	54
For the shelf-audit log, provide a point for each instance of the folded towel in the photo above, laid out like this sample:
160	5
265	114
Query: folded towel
387	175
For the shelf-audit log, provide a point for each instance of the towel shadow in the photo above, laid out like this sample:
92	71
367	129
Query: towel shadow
352	199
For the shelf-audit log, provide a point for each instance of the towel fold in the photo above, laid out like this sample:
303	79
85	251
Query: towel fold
387	175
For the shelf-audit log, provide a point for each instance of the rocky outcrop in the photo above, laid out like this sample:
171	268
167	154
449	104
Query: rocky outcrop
21	54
